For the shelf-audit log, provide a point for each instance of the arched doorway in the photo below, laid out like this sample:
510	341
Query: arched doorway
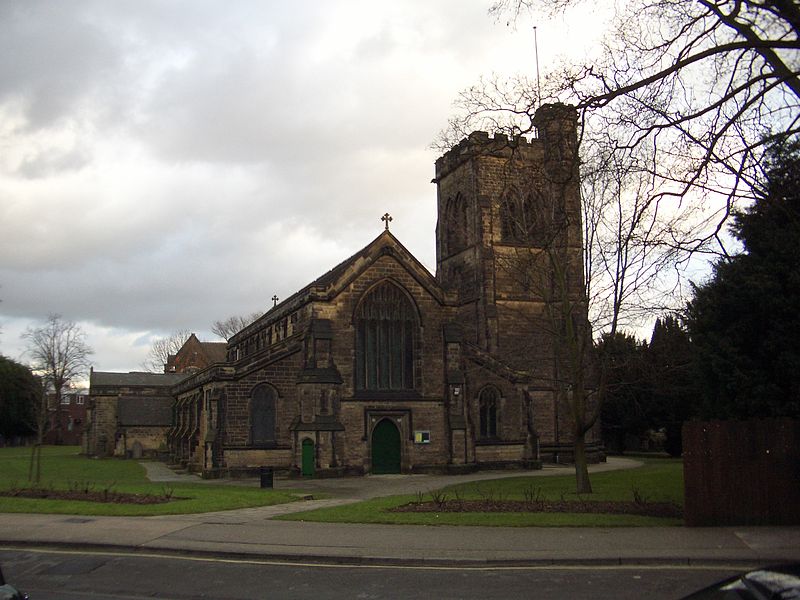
308	458
385	448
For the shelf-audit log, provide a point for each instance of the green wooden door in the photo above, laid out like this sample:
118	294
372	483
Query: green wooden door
385	448
308	458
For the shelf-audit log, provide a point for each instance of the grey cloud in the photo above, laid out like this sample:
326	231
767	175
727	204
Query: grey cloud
186	161
52	58
52	161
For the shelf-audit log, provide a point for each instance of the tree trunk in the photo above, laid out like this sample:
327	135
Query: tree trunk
35	466
59	429
584	485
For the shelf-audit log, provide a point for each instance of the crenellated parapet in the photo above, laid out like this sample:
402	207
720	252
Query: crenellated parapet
480	143
554	134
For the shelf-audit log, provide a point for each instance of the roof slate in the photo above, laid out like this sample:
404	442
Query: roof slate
215	351
135	378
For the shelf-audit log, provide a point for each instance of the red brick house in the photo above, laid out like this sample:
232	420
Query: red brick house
195	356
66	421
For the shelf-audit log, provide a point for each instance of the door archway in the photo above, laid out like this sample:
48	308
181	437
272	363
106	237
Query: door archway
385	447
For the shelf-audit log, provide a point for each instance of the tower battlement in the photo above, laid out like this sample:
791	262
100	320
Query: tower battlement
480	143
551	121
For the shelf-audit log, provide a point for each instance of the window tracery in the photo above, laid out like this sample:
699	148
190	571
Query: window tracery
385	322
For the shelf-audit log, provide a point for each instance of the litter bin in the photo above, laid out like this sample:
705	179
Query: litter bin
266	477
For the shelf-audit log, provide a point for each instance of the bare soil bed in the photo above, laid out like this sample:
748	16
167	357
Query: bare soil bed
647	509
107	496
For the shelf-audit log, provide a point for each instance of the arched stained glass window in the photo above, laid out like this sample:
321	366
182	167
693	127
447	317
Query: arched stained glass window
262	415
385	322
489	399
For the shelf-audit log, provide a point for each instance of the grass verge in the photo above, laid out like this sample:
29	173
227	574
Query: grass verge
63	467
658	480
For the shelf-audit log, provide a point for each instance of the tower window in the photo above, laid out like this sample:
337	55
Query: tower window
385	322
518	219
456	224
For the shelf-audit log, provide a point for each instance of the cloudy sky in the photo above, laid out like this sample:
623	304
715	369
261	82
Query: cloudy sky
167	163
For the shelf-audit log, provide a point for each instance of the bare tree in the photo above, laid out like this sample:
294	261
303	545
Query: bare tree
702	85
59	354
162	348
229	327
633	266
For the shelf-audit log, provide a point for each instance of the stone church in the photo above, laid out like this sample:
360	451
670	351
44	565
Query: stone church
380	366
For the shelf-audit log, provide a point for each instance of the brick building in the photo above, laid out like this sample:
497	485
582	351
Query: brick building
66	420
379	366
195	356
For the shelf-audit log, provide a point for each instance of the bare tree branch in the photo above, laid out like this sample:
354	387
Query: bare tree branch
229	327
162	348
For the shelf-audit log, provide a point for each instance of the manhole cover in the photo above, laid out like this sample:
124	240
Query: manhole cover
77	520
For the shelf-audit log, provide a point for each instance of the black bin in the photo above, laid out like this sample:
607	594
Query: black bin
266	477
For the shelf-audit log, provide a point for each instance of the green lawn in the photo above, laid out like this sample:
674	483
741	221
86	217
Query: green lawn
63	467
659	480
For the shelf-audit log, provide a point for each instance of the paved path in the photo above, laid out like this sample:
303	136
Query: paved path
251	533
347	490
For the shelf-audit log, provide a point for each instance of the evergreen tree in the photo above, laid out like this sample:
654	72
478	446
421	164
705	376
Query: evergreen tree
627	409
744	323
19	392
672	379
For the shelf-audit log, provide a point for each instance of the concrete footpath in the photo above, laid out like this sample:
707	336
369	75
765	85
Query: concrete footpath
250	533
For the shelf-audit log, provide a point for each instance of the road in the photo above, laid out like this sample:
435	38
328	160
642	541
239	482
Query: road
80	575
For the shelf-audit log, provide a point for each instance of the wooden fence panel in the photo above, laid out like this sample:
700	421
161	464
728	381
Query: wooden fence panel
742	472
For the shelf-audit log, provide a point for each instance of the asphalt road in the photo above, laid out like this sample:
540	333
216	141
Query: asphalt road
80	575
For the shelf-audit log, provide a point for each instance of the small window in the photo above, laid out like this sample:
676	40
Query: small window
488	412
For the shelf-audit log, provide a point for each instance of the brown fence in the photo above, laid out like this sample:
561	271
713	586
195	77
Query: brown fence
742	472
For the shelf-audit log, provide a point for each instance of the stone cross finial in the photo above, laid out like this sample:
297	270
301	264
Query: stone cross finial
275	301
386	218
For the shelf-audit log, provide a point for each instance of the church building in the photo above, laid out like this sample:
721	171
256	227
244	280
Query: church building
379	366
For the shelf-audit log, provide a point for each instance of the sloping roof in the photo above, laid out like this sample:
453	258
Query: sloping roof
135	378
384	241
146	411
215	351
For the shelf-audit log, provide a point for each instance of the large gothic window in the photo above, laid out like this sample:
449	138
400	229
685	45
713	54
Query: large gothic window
385	322
487	403
262	415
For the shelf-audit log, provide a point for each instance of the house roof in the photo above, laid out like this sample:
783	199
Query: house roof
215	351
147	411
134	378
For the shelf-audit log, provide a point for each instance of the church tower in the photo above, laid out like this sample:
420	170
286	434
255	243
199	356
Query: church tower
508	237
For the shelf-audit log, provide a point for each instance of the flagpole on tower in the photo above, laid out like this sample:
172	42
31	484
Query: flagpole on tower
536	52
